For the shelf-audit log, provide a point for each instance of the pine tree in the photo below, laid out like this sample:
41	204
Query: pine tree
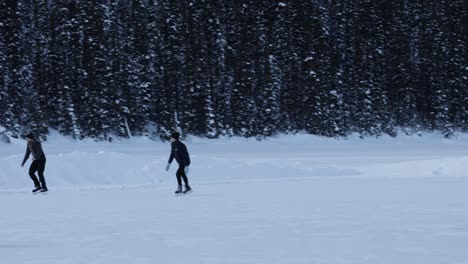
455	62
453	112
271	22
63	61
219	107
242	38
192	92
3	77
13	80
37	50
136	90
370	97
96	105
154	64
437	90
399	66
339	22
319	97
171	68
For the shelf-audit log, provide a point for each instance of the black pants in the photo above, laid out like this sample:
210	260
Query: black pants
181	175
39	166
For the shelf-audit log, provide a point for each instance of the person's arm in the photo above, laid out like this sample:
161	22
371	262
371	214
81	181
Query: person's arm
26	156
171	157
185	156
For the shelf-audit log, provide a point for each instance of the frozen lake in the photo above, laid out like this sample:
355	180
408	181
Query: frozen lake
288	200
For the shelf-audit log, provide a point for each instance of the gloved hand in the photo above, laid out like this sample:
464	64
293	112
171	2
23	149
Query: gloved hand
186	170
168	166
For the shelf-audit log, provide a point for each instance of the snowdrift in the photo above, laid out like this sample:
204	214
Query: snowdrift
140	161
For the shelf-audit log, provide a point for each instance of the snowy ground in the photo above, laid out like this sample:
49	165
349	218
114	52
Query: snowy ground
292	199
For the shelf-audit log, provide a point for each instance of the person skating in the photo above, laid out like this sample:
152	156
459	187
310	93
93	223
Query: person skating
34	147
181	155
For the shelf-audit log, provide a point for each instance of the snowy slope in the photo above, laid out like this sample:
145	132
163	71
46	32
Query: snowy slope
292	199
142	162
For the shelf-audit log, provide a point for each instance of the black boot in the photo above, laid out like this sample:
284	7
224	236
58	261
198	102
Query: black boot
187	189
179	190
36	188
44	189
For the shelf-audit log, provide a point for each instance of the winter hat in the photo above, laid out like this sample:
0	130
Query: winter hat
30	135
175	135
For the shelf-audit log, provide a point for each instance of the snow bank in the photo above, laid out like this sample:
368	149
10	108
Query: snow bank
140	161
3	136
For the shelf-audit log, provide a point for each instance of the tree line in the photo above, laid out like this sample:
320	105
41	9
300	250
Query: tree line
104	69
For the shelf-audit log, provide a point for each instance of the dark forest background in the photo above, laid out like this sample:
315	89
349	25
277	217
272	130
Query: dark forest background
102	69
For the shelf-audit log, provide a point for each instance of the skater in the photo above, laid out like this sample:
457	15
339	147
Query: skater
180	153
39	160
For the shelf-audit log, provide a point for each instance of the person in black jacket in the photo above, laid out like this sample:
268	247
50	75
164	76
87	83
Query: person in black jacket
180	153
39	160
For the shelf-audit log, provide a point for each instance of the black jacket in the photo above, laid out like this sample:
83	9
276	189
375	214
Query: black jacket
180	153
35	149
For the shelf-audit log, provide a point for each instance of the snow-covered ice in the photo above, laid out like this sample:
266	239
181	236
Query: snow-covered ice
291	199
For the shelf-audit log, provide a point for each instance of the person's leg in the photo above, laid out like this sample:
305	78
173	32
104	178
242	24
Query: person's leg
40	171
179	175
184	177
179	182
182	174
32	170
